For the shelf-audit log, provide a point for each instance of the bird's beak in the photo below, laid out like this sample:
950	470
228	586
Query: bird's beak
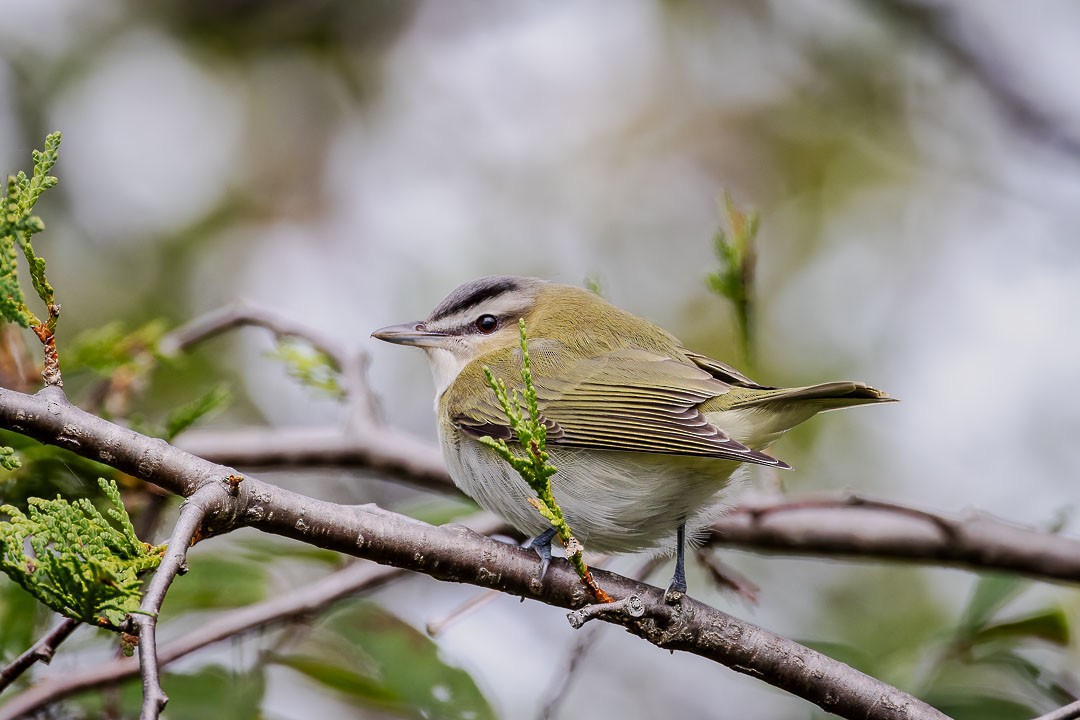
412	333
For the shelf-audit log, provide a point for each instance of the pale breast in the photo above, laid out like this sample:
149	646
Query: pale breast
613	501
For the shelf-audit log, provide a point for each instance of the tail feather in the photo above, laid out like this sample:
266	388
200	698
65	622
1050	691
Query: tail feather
829	396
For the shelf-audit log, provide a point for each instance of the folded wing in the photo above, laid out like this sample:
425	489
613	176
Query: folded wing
628	400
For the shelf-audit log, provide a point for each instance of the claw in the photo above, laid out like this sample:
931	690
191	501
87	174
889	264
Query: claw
542	545
677	588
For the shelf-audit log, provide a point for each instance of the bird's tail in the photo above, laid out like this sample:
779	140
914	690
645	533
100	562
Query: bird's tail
826	396
757	417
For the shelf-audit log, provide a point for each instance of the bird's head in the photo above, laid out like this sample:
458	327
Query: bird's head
474	320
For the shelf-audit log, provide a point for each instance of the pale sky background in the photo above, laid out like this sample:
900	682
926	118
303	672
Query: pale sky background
914	236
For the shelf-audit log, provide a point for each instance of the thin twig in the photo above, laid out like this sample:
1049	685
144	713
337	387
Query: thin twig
437	627
192	513
396	454
41	651
728	577
940	27
1067	712
352	363
584	642
948	527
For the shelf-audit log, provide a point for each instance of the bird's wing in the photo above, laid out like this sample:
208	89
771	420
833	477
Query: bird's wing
722	371
629	399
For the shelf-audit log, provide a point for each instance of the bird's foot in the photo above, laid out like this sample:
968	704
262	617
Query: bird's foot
541	544
677	588
676	591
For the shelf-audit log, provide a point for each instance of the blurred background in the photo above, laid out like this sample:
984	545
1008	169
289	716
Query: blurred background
916	166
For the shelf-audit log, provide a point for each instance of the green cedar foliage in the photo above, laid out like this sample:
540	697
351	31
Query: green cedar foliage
80	564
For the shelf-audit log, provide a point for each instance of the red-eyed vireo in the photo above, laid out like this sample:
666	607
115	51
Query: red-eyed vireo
646	435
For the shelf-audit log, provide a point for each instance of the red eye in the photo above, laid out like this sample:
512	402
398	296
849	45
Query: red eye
487	324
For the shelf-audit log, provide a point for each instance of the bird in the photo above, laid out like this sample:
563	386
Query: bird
648	437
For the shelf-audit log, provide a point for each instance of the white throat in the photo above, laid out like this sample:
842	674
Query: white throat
445	367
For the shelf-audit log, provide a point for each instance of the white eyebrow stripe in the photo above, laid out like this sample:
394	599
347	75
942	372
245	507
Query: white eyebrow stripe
503	307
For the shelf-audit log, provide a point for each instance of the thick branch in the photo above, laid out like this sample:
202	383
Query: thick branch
849	527
460	555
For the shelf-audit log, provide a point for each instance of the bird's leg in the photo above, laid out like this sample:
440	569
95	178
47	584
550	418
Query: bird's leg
677	589
542	545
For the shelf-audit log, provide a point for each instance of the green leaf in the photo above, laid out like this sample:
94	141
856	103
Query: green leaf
379	661
992	592
17	225
215	692
1050	625
20	614
369	691
734	280
74	560
109	348
207	404
9	460
978	706
210	692
310	367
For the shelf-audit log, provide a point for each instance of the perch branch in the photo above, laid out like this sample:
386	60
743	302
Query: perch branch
458	554
848	527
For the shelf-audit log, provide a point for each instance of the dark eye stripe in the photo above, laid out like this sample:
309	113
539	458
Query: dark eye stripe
472	294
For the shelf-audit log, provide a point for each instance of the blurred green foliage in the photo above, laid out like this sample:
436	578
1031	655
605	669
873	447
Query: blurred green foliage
373	659
734	280
987	664
212	691
310	367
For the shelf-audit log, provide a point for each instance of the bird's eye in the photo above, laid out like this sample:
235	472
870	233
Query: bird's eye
487	323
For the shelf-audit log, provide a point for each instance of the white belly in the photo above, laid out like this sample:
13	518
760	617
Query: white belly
613	501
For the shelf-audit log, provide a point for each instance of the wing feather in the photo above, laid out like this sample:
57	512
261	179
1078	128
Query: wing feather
628	399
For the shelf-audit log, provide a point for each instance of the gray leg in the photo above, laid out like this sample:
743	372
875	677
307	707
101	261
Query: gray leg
677	589
542	545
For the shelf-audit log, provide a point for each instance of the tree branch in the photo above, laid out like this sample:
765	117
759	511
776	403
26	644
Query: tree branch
351	363
850	527
297	604
187	526
1067	712
378	449
457	554
42	651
